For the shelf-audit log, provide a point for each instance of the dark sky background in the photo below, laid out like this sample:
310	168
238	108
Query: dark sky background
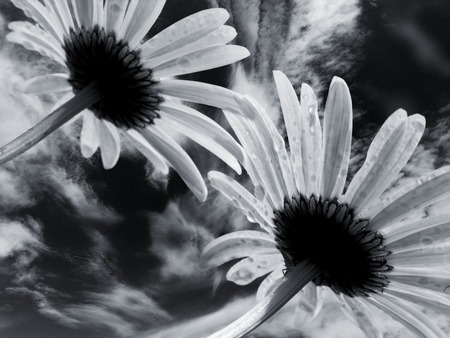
87	252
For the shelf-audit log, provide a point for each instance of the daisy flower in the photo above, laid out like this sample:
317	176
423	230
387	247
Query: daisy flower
122	85
367	246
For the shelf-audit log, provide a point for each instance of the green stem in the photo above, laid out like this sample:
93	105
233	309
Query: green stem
291	284
84	99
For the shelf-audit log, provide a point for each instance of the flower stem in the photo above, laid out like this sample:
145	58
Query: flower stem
50	123
291	284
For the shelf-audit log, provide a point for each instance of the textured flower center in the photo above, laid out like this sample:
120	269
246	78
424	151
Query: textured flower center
350	256
129	96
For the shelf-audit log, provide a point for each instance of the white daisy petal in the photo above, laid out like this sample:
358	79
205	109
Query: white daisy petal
237	245
250	206
428	278
114	12
387	155
62	12
337	138
89	136
269	283
97	13
138	23
311	140
258	146
36	39
199	92
177	158
426	190
109	143
147	150
360	314
422	256
220	36
426	231
83	13
420	296
35	10
410	317
205	59
307	300
204	131
292	117
184	32
248	269
50	83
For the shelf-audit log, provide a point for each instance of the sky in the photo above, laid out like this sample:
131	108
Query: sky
88	252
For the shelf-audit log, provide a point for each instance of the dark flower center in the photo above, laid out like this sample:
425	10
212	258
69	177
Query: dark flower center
129	97
350	256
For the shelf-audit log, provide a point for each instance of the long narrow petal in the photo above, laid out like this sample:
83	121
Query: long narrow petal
237	244
61	10
137	23
361	316
291	284
410	317
109	143
89	136
248	269
84	13
220	36
208	58
97	13
114	12
177	158
311	141
292	118
270	282
250	206
385	158
425	231
426	298
49	124
50	83
147	150
307	299
426	190
36	39
204	131
428	278
199	92
184	32
337	138
35	10
422	255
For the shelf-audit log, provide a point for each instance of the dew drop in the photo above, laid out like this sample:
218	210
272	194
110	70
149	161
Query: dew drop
260	192
426	240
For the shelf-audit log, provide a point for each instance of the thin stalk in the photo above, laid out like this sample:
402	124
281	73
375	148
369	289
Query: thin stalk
84	99
292	283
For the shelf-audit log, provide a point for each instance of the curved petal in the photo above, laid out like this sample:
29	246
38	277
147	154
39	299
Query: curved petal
426	190
207	58
184	32
410	317
139	18
360	314
337	138
147	150
237	244
50	83
109	143
36	39
114	12
84	13
290	107
220	36
204	131
199	92
90	135
388	153
249	205
422	255
248	269
428	278
269	283
62	12
177	158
